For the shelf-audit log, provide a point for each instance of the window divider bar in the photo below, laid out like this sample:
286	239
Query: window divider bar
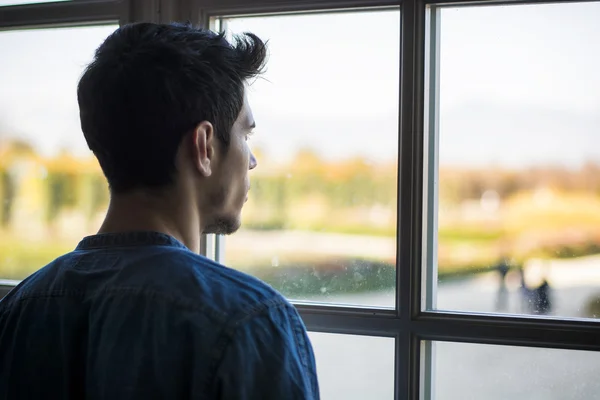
341	309
427	370
401	365
410	194
225	8
431	159
484	3
407	366
180	11
142	11
204	245
211	247
63	13
410	174
514	330
414	374
336	321
220	249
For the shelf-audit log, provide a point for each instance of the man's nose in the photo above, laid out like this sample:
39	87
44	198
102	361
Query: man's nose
253	162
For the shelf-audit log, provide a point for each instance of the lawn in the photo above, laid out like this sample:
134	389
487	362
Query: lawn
19	258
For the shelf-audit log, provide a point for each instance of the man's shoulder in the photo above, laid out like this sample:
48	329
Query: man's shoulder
222	278
182	280
191	280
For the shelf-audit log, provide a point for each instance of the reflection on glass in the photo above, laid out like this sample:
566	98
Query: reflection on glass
519	161
352	367
320	223
52	191
473	371
19	2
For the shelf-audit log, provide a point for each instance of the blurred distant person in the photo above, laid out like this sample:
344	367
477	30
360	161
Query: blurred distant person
535	300
134	312
502	300
542	302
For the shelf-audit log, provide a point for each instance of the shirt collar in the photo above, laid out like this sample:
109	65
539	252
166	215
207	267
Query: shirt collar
128	239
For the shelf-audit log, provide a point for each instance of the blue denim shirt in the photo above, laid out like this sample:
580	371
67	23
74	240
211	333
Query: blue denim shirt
139	316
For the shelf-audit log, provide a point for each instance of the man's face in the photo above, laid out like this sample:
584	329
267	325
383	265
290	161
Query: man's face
230	182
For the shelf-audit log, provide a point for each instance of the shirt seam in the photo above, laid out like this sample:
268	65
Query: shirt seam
179	303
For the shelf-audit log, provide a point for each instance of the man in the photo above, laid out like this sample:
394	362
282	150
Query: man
134	312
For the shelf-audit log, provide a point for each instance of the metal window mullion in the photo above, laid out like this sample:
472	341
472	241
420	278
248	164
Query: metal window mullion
430	192
350	325
220	249
431	162
511	330
62	13
179	11
207	246
454	327
211	246
410	196
245	7
427	371
484	3
142	11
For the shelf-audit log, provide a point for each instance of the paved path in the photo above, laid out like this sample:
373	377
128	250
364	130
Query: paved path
358	368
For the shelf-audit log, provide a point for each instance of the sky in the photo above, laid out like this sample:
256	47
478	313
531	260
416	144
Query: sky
518	84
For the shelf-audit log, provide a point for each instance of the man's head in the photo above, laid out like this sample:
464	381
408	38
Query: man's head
164	107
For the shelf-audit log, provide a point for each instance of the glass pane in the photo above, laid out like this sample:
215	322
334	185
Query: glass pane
353	367
320	223
52	190
519	160
473	371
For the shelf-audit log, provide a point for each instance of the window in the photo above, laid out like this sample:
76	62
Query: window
510	372
354	367
486	114
52	189
320	223
518	193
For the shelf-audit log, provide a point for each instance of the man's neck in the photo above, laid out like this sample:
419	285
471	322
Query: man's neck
139	211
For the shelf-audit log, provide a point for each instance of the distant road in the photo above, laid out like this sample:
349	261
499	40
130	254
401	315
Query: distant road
259	243
358	368
362	368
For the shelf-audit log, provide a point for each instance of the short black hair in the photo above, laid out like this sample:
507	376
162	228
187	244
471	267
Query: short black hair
150	84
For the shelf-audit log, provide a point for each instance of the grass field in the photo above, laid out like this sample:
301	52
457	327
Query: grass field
559	226
19	258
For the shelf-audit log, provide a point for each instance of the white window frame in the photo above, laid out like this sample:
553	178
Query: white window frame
411	323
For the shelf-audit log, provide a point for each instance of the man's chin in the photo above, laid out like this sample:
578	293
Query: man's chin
223	226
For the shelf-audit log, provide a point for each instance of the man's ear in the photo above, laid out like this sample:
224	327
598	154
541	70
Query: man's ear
203	147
